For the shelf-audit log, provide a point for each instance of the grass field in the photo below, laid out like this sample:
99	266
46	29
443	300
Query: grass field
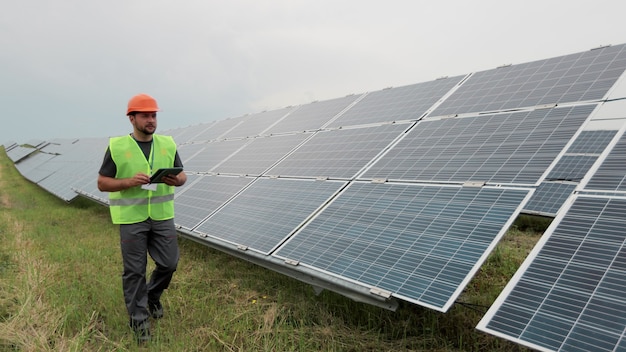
60	290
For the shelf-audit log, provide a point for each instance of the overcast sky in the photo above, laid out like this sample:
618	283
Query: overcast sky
68	67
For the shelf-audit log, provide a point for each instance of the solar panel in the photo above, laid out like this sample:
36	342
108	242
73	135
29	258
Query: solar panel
591	142
189	133
207	156
569	293
501	148
217	129
576	77
267	212
611	176
19	152
339	153
31	167
396	104
204	196
188	151
313	116
8	145
420	242
549	197
260	154
59	146
256	124
571	168
581	155
75	167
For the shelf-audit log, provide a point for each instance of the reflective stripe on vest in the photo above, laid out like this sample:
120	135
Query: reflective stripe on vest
141	201
136	204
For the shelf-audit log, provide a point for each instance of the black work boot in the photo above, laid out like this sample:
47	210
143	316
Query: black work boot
141	329
156	309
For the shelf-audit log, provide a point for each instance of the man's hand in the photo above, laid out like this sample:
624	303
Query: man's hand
175	180
171	180
111	184
139	179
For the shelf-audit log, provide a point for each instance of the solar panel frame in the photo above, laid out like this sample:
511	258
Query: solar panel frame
218	129
398	237
260	154
211	154
338	153
256	124
578	77
312	116
549	197
611	174
267	212
505	148
19	152
406	103
205	195
80	162
568	293
33	167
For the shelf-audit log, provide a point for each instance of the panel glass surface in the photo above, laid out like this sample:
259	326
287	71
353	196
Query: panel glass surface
581	155
260	154
572	167
312	116
189	133
268	211
30	167
576	77
18	153
257	124
211	155
502	148
216	130
81	162
338	153
419	242
204	196
396	104
571	295
611	176
549	198
591	142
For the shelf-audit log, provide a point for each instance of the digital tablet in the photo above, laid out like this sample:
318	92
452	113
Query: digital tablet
157	177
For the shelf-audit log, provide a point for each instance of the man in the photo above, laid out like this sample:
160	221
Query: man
144	210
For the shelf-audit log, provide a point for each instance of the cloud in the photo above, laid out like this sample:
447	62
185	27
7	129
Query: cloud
67	68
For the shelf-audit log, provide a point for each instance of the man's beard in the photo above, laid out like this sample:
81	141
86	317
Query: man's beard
146	131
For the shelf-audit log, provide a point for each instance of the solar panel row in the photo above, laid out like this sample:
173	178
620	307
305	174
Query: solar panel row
569	293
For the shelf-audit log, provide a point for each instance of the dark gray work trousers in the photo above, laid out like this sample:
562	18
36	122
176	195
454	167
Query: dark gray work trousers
160	240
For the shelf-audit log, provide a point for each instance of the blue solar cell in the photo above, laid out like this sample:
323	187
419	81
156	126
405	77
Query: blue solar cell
501	148
268	211
260	154
203	157
396	104
571	294
549	198
419	242
339	153
576	77
204	196
611	176
310	117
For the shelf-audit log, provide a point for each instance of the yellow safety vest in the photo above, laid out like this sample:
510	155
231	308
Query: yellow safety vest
136	204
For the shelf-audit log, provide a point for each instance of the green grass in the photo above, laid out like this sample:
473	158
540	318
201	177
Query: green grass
60	290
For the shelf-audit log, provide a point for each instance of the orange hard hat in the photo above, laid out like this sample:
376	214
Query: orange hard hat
143	103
